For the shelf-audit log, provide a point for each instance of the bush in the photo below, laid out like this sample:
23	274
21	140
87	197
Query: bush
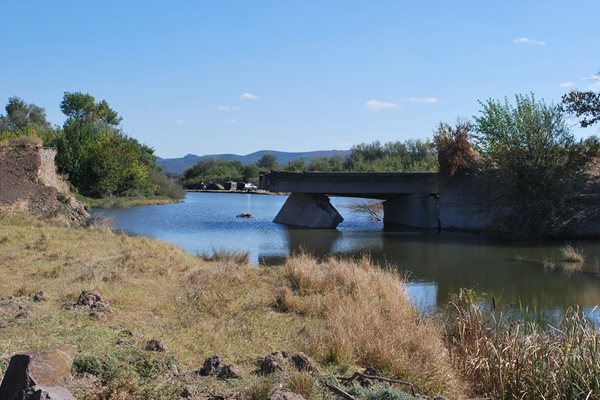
530	153
86	364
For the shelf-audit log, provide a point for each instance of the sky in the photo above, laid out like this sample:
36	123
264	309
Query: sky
207	77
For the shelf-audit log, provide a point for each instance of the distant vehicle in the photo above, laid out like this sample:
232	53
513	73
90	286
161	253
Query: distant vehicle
250	187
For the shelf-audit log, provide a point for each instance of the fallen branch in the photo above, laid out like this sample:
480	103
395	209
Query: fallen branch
337	391
357	375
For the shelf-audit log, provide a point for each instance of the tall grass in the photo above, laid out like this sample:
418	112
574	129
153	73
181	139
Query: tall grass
368	320
572	254
505	358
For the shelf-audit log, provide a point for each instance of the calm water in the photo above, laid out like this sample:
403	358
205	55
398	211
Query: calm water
437	264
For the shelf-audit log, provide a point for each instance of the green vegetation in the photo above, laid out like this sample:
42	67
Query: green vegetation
585	105
527	150
98	158
409	156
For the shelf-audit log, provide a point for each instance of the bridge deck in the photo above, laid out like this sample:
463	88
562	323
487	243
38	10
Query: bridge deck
351	184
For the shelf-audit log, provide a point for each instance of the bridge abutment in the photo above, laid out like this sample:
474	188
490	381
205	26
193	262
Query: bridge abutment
306	210
418	210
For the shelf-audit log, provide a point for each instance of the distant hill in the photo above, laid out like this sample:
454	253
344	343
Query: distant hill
179	165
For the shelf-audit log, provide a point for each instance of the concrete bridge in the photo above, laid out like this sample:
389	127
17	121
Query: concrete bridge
410	199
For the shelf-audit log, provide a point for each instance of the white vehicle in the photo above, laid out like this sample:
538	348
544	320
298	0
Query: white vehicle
250	187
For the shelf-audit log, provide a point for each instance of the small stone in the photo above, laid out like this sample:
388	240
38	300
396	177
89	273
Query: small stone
156	345
38	296
230	371
211	366
23	314
302	362
272	363
187	391
280	394
244	215
93	300
372	371
3	324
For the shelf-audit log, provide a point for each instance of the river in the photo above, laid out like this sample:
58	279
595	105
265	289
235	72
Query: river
435	264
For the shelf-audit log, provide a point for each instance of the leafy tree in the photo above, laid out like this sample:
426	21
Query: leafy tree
267	162
585	105
529	152
24	119
99	158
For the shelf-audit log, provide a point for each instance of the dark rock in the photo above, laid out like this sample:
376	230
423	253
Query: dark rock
156	345
280	394
38	296
44	369
93	300
212	366
230	371
244	215
372	371
272	363
187	391
301	362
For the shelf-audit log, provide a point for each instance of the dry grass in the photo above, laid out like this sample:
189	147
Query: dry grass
368	321
239	257
21	141
516	359
341	313
572	254
372	209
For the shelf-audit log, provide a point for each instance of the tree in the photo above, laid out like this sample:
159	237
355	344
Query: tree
531	156
267	162
585	105
24	119
98	157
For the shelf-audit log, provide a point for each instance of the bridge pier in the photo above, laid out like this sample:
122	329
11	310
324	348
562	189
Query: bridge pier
306	210
418	210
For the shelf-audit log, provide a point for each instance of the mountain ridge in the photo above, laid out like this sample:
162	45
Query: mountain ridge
178	165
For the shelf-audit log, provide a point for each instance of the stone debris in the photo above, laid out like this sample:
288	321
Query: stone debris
277	361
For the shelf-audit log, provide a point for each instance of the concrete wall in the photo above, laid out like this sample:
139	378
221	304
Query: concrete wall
467	203
412	210
308	211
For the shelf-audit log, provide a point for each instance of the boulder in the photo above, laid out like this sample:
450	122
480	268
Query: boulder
277	361
43	372
48	393
301	362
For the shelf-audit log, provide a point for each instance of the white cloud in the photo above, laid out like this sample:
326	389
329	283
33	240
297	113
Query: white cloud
424	100
229	108
249	96
567	84
179	121
525	40
377	105
594	85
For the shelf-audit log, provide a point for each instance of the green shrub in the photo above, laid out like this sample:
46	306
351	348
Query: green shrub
86	364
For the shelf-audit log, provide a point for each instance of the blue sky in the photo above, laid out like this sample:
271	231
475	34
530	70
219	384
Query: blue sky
239	76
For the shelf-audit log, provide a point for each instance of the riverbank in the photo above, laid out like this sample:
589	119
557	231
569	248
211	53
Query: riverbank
125	202
259	191
344	315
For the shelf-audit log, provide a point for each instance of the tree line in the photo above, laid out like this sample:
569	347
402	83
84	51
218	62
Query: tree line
99	159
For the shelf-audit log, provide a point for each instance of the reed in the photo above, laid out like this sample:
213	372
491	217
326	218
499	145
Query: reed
509	358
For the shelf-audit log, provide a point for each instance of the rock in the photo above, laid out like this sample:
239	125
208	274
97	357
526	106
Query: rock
272	363
49	393
93	300
244	215
156	345
230	371
280	394
44	369
38	296
212	366
372	371
187	391
23	314
302	362
3	324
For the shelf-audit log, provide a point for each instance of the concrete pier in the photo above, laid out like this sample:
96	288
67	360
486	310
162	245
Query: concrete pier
308	211
412	210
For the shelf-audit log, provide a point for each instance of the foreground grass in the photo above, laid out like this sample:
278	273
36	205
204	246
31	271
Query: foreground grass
346	315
